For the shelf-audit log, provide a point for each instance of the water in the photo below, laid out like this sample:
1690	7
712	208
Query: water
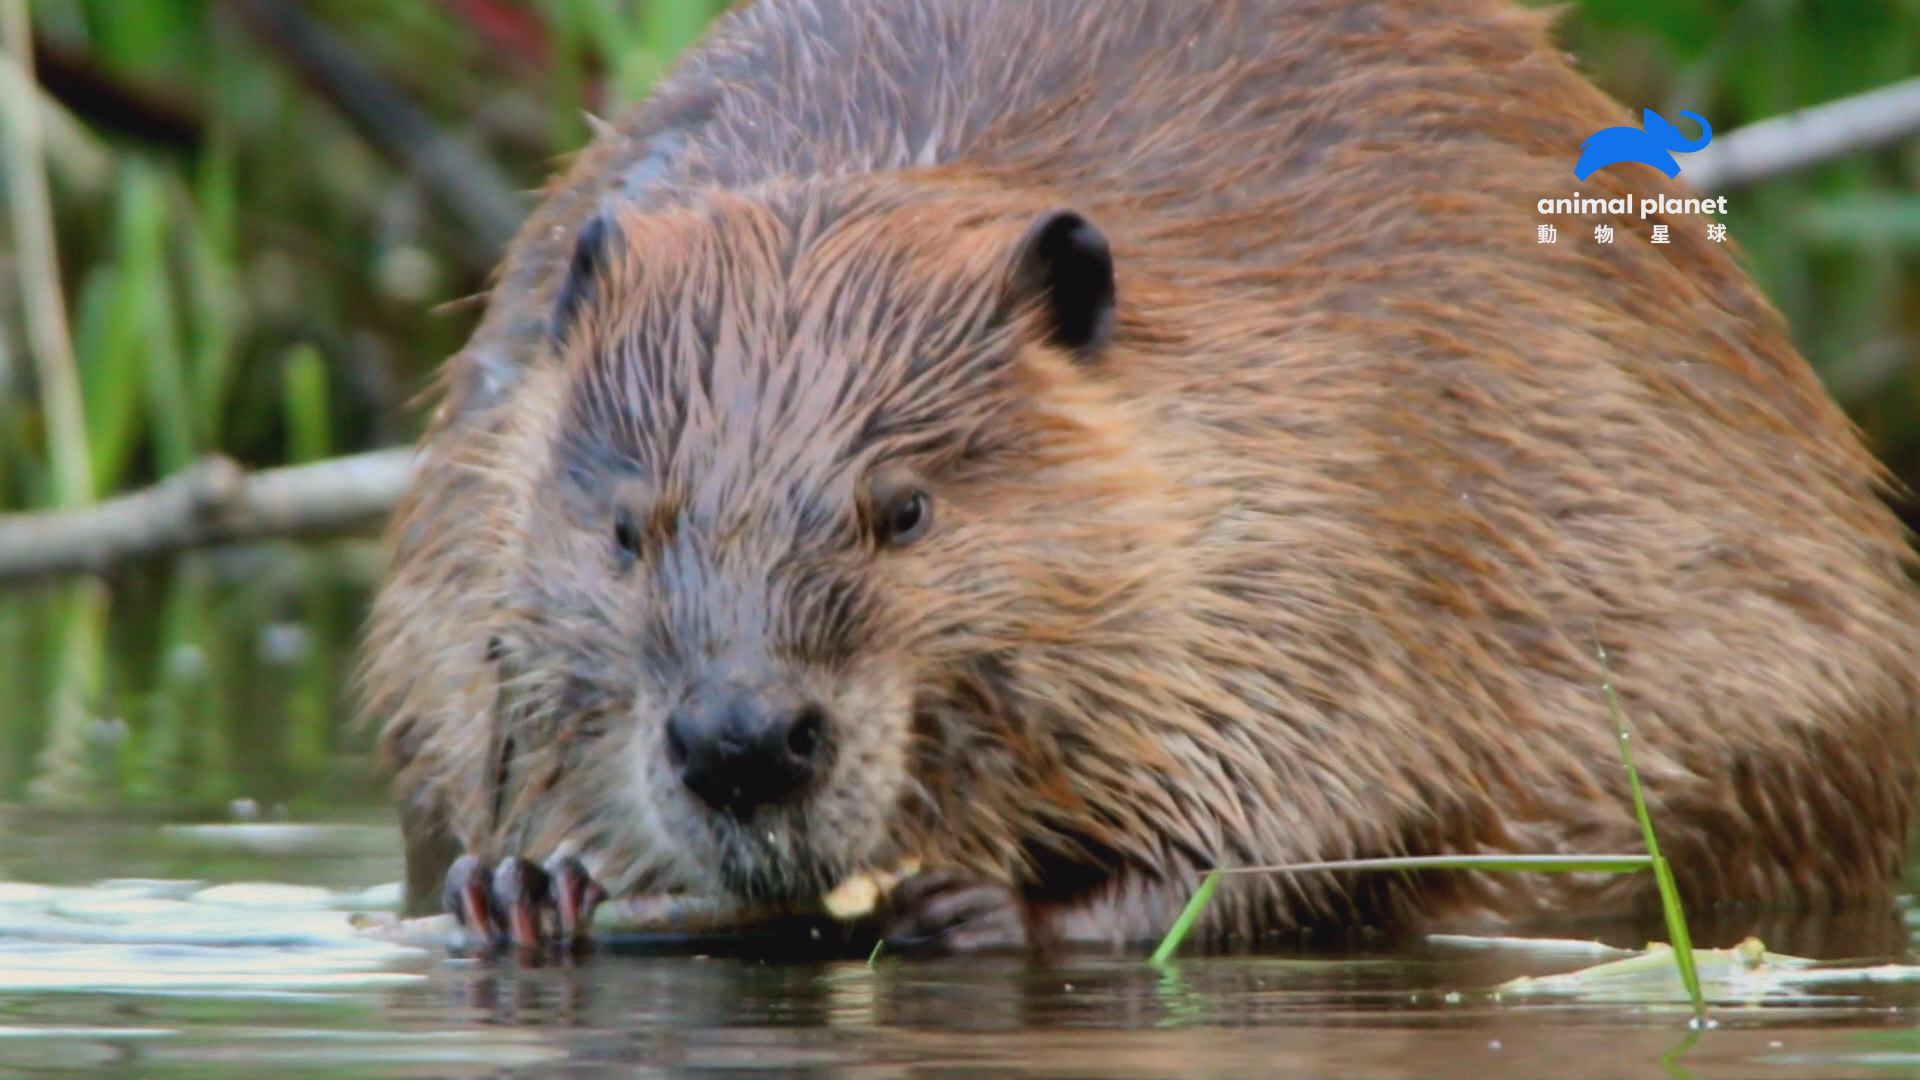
140	972
184	841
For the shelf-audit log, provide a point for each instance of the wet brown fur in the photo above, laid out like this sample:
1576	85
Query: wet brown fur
1309	563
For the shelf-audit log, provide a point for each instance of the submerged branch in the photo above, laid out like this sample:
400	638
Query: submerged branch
215	502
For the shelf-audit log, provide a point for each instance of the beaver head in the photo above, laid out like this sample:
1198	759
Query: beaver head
813	485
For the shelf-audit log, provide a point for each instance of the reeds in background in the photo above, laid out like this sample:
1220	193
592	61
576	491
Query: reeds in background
246	272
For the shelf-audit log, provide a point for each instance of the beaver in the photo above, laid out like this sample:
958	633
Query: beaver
1068	447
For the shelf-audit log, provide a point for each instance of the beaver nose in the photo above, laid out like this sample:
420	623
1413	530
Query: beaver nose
741	748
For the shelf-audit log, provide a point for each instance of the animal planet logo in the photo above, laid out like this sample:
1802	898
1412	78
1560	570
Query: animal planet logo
1655	145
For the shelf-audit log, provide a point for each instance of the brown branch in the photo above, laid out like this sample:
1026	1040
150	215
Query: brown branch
215	502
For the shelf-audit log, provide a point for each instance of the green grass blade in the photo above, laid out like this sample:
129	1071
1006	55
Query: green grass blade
1670	908
169	404
1171	943
212	291
1670	905
305	401
1497	864
112	377
1492	864
1670	1062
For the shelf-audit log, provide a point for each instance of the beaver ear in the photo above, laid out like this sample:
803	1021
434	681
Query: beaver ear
593	248
1064	262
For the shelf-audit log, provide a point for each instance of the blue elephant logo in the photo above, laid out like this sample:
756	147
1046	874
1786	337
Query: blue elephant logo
1654	146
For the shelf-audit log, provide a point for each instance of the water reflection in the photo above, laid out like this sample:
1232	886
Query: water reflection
1387	1017
214	680
186	820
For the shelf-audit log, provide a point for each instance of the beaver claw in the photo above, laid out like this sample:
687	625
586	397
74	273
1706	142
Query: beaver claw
518	902
941	912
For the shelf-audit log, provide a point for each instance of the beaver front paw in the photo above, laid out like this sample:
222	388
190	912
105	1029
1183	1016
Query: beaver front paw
943	912
518	902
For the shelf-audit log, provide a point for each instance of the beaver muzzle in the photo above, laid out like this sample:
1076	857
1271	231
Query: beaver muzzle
742	744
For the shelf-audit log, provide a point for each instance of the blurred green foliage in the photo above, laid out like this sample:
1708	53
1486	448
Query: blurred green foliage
1837	247
212	255
219	222
245	273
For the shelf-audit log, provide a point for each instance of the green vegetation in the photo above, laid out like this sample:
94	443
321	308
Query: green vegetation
1486	864
1837	248
223	262
242	270
241	273
241	267
218	219
1183	924
1671	910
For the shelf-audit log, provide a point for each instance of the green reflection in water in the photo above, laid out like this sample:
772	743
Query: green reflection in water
220	681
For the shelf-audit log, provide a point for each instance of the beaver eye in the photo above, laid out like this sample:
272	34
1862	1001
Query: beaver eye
905	517
626	538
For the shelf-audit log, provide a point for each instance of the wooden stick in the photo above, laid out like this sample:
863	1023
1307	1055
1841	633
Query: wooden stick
214	502
1808	137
